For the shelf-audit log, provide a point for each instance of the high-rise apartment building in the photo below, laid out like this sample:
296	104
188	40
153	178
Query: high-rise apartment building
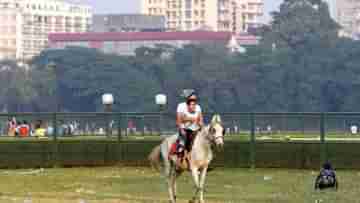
348	16
332	8
26	24
217	15
127	23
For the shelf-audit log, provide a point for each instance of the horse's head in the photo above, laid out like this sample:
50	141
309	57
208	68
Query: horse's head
216	131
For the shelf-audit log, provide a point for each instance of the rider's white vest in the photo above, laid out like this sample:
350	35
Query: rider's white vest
183	109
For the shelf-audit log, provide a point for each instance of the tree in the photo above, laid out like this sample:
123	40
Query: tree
16	91
300	23
84	75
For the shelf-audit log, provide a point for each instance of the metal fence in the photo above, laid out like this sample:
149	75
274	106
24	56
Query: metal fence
258	133
262	125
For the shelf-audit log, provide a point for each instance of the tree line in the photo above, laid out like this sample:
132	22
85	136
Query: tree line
301	64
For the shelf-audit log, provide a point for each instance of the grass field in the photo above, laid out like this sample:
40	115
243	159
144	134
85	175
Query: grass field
142	185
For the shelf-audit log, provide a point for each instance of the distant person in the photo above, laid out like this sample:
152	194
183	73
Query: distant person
131	127
269	129
236	129
24	129
17	129
49	130
11	127
40	132
354	129
326	178
71	129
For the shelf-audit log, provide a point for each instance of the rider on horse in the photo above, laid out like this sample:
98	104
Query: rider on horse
189	120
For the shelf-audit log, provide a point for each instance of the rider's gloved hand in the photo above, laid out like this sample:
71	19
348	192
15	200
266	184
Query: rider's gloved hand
182	132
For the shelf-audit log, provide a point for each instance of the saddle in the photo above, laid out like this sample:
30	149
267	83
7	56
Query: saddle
184	163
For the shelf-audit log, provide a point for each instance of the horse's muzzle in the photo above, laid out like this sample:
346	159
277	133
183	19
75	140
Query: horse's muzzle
220	147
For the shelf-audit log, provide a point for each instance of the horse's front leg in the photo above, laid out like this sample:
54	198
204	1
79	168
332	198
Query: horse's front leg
170	190
202	183
195	175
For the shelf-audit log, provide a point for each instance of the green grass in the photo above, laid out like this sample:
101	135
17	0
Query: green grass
142	185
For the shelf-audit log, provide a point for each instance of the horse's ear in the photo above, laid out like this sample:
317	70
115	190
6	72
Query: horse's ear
216	119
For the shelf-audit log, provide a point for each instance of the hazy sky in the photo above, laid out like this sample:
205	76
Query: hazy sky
132	6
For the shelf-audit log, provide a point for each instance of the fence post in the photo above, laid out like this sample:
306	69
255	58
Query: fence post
303	123
160	121
55	126
55	140
323	154
119	128
252	141
143	126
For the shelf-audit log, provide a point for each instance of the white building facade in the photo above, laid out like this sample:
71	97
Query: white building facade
347	13
26	24
216	15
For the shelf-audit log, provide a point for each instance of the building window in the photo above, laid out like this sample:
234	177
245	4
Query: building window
251	17
196	13
188	25
188	14
188	4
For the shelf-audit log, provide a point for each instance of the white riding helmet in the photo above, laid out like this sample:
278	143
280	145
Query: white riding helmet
187	93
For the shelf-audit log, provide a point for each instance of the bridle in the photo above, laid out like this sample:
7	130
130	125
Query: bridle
213	139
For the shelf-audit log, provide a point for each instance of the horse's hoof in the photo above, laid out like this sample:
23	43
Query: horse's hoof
191	201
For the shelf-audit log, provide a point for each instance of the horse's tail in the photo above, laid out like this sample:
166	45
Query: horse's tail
155	157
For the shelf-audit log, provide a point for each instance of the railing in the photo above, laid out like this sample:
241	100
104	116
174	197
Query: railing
255	132
263	126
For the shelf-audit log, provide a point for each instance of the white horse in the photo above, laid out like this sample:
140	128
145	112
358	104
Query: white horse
201	156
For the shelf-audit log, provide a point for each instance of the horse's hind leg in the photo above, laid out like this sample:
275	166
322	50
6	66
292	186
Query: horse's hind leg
173	184
168	172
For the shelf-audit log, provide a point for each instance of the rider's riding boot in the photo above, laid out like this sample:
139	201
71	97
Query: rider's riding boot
180	156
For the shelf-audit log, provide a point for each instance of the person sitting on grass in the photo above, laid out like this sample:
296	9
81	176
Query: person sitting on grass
326	178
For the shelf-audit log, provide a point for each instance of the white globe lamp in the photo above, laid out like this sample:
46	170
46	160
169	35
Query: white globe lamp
161	99
107	101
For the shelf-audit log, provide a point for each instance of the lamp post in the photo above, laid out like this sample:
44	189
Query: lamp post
107	101
24	67
52	67
161	101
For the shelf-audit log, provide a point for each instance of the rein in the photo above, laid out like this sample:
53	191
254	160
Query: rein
212	139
